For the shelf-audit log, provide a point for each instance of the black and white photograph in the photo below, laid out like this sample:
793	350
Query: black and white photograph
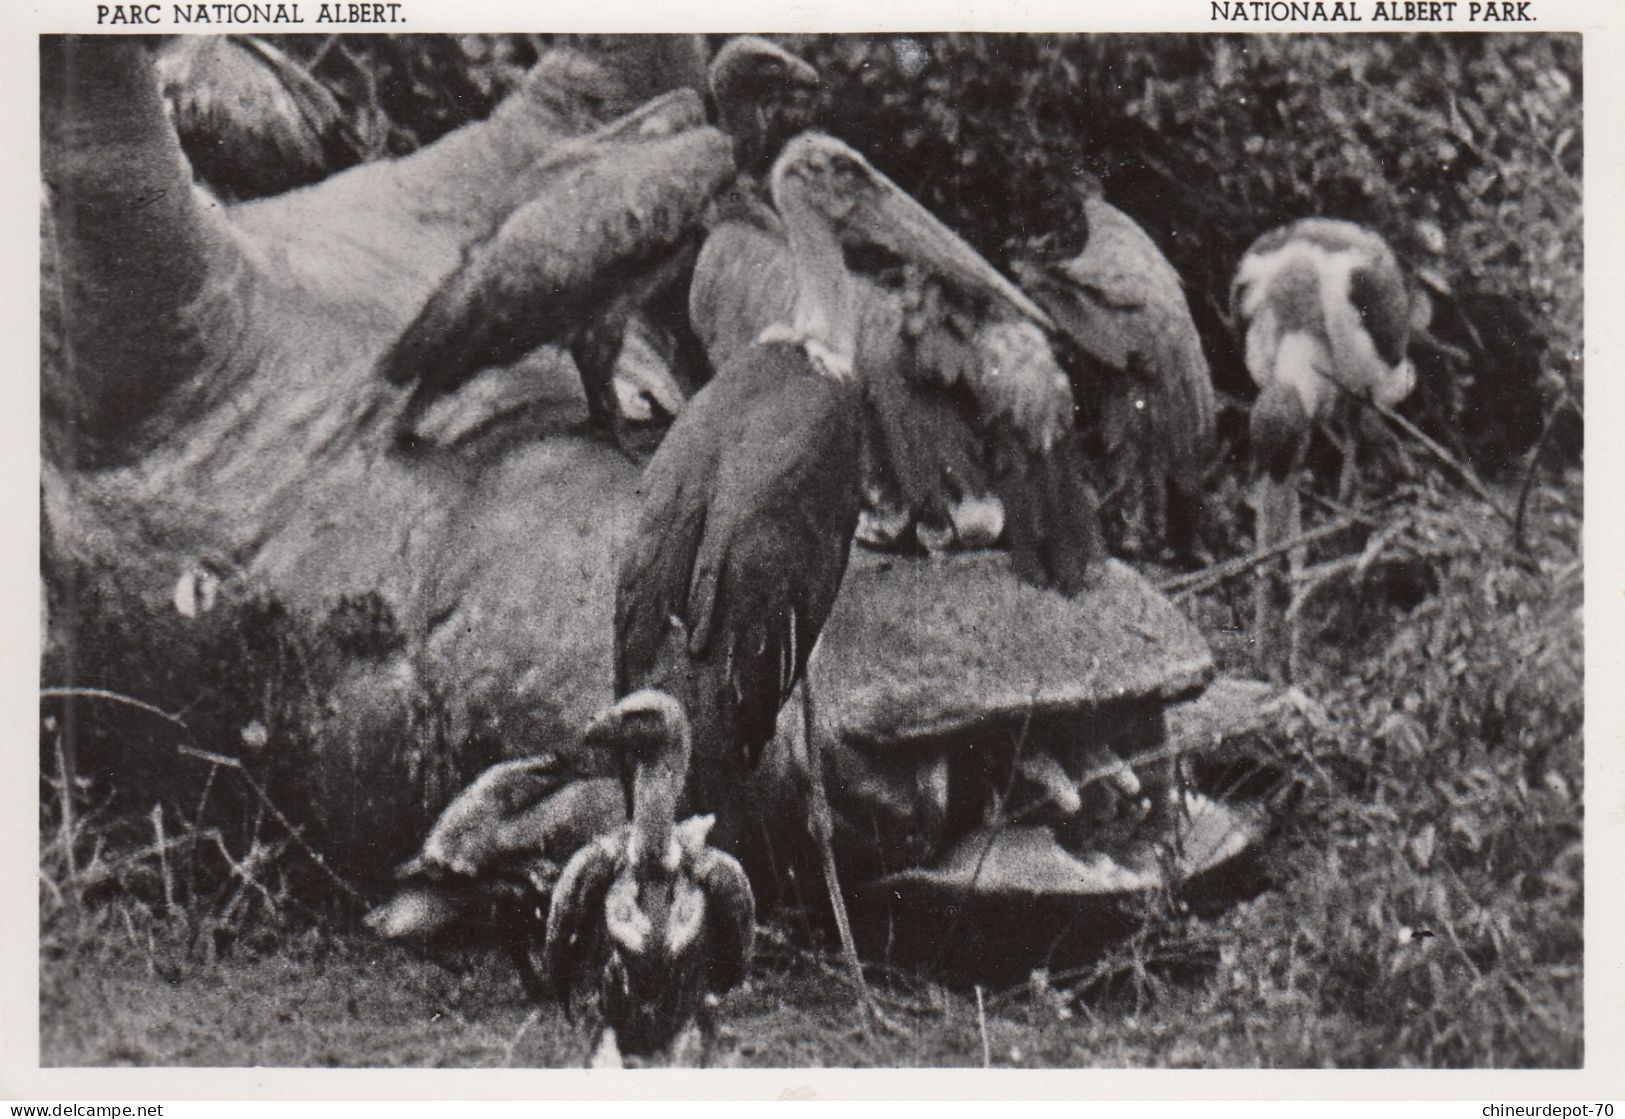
979	549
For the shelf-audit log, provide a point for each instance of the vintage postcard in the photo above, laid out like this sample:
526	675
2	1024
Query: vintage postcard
780	544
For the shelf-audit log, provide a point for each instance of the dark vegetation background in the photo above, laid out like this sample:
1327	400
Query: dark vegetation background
1426	880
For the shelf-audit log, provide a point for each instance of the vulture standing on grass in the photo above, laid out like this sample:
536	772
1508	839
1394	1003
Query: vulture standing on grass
1121	303
613	222
649	924
1325	313
252	121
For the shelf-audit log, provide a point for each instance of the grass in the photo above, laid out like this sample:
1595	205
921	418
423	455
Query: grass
1424	908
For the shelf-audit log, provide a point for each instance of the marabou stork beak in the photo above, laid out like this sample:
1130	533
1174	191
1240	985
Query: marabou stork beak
885	213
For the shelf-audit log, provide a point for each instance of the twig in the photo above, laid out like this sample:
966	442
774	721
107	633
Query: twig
512	1046
1182	585
1549	426
311	853
161	845
65	829
114	697
1459	468
981	1025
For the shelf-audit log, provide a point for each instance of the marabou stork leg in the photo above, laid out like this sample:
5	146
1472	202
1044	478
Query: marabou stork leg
536	988
688	1049
1345	437
822	824
607	1053
1183	515
1275	638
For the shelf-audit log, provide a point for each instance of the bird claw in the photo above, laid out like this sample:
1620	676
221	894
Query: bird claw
617	432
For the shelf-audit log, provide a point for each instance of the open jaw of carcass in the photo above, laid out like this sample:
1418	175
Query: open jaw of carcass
988	741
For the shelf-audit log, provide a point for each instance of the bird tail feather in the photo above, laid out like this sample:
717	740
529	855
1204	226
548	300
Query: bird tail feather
1052	518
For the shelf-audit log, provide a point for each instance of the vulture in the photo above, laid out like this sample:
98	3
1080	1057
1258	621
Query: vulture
967	417
610	224
610	218
495	853
1120	303
649	924
1325	312
252	121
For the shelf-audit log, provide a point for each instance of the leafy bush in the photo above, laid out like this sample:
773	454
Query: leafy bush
1464	151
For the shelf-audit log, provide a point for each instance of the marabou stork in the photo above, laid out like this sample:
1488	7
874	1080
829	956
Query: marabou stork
649	923
611	227
1326	313
968	419
252	121
751	502
1121	303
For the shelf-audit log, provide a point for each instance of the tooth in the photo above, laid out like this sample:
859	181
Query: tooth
1100	762
1042	769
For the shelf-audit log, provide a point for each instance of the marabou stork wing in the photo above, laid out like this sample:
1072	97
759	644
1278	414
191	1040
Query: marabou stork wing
775	545
602	223
253	121
1121	302
730	917
748	514
575	919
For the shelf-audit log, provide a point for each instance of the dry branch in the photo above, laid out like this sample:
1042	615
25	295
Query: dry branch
1182	585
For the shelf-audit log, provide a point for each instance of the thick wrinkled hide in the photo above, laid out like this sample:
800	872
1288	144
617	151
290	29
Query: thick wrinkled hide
211	492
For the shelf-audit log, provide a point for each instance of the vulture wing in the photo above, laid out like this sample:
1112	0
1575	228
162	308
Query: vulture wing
253	121
1008	430
601	222
730	917
1122	303
576	935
